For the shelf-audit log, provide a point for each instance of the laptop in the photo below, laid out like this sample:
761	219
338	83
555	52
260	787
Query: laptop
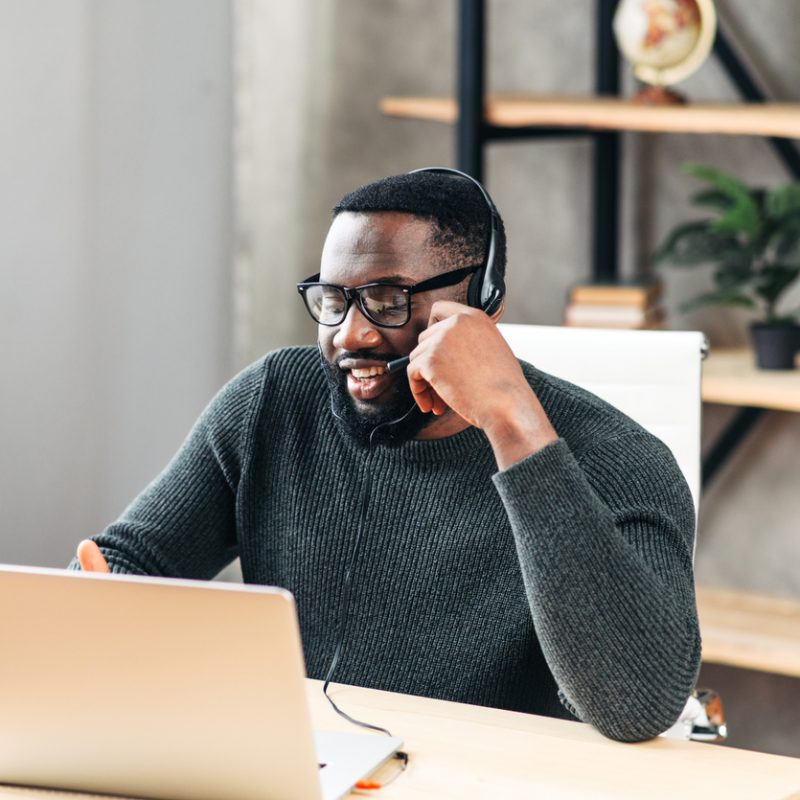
162	688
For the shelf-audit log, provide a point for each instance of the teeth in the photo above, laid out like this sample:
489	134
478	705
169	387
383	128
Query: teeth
368	372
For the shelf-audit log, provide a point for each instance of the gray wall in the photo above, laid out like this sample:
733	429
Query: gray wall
114	253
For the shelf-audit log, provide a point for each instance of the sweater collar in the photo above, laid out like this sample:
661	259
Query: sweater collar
467	444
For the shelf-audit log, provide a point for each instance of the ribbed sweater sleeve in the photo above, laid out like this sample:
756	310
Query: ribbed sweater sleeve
184	523
605	548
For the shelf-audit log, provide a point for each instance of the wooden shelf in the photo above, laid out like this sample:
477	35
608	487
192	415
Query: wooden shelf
730	377
600	113
750	631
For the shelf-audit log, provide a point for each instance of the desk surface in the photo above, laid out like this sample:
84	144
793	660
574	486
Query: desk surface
730	377
464	752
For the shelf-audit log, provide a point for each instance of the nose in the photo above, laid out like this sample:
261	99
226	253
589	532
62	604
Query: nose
356	332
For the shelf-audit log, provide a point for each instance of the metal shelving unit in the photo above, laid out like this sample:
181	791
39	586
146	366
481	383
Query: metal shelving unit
476	126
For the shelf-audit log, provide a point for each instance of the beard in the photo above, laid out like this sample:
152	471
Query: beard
392	421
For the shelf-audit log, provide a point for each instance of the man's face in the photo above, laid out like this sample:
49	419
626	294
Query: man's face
386	247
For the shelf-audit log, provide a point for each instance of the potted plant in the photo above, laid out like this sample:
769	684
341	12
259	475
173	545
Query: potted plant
752	240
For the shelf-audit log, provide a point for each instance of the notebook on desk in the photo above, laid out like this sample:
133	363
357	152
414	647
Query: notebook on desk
169	689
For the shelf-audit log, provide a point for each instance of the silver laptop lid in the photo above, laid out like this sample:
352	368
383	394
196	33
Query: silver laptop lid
179	690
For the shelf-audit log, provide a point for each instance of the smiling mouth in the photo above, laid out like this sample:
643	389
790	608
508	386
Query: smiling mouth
368	382
367	372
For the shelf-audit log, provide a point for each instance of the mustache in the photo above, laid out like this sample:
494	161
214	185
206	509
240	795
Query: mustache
370	355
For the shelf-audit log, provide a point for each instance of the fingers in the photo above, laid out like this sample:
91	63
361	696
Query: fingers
426	397
439	405
90	557
422	391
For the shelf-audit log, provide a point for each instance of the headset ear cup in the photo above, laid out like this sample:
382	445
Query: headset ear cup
475	289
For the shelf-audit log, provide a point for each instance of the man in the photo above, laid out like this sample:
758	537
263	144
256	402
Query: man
524	545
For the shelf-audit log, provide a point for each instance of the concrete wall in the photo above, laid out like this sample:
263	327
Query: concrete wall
114	255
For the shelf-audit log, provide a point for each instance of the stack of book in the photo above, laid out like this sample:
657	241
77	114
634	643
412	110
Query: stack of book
615	306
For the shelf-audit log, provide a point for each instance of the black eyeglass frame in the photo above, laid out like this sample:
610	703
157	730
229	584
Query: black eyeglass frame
450	278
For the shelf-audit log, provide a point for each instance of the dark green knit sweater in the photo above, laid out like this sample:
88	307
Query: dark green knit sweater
570	571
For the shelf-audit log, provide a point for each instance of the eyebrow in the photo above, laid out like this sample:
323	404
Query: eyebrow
394	279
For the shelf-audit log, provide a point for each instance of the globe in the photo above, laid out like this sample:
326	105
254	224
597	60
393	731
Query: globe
665	40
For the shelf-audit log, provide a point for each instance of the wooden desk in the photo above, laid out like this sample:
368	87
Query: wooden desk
730	377
464	752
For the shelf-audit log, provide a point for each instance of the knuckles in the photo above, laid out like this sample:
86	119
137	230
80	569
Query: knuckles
444	310
459	318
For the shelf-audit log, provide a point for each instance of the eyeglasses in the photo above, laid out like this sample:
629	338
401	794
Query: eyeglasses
387	305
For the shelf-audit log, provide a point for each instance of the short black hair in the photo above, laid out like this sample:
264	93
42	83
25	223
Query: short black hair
460	216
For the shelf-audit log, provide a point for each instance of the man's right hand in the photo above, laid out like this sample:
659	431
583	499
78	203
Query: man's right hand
91	558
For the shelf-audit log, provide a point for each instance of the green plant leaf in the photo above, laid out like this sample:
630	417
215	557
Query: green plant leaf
784	239
695	243
674	239
743	215
773	280
726	183
712	198
742	218
723	297
732	274
783	201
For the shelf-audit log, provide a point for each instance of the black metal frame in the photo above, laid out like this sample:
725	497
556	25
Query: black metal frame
729	440
473	133
607	150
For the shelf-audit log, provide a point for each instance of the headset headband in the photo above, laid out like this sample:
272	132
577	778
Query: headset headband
488	287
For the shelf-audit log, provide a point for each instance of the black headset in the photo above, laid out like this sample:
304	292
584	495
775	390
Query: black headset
486	287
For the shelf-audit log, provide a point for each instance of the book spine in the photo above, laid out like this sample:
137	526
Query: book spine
638	296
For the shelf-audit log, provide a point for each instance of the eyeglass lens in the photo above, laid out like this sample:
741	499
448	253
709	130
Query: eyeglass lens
386	305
